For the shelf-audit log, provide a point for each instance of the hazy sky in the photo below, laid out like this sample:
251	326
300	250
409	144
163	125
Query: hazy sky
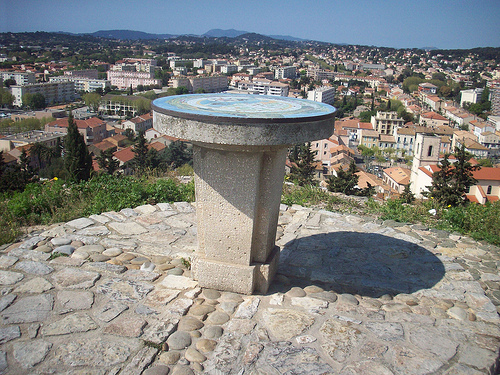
389	23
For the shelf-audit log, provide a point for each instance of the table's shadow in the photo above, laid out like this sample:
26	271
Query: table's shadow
367	264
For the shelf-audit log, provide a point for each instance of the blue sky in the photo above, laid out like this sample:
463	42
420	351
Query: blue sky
388	23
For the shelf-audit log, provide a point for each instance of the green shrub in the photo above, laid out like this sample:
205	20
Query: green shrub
481	222
55	201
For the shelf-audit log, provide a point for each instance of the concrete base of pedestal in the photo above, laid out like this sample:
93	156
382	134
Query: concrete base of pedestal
236	278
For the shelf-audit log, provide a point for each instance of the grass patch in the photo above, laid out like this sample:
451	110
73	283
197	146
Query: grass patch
59	202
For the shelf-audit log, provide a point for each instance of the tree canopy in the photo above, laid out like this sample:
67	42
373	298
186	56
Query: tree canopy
77	159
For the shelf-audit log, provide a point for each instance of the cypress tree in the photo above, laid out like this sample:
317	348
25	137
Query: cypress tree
77	159
140	160
345	181
451	182
303	170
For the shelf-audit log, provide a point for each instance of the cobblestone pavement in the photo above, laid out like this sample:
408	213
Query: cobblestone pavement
352	296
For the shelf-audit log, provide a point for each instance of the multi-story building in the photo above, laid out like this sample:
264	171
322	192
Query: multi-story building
386	122
405	140
121	105
87	73
133	72
21	78
322	94
479	126
227	69
10	142
433	119
138	124
427	88
126	79
83	84
369	138
494	87
215	83
54	92
285	72
259	86
92	129
470	96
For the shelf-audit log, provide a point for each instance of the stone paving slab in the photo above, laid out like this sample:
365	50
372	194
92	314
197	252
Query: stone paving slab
353	295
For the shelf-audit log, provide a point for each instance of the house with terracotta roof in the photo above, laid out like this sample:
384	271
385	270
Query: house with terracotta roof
97	148
479	126
487	188
397	178
124	155
433	119
432	102
92	129
138	123
475	148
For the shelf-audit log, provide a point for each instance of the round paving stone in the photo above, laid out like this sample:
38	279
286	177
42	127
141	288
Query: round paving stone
66	249
211	294
80	255
179	340
99	257
313	289
213	332
296	292
112	252
44	248
170	358
195	334
182	370
348	299
189	323
206	345
201	310
60	241
139	260
165	267
197	367
160	259
175	271
217	318
157	370
193	355
77	244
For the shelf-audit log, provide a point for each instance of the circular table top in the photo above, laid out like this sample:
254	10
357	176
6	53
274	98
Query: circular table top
242	107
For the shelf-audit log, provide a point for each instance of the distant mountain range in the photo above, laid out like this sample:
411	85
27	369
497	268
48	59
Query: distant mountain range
214	33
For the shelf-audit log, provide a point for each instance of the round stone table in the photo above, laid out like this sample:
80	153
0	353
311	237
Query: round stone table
239	148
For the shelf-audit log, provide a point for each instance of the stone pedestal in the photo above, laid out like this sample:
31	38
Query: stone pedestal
239	145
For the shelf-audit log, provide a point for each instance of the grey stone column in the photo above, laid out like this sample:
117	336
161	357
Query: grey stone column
238	194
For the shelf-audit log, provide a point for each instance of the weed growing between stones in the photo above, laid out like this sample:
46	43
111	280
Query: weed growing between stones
57	255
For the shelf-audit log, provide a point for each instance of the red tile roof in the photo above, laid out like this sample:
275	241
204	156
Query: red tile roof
124	155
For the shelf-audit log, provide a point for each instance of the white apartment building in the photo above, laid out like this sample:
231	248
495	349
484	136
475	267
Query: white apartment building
285	72
125	79
83	84
227	69
206	83
405	140
133	72
470	96
54	92
87	73
386	122
323	94
261	86
21	78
